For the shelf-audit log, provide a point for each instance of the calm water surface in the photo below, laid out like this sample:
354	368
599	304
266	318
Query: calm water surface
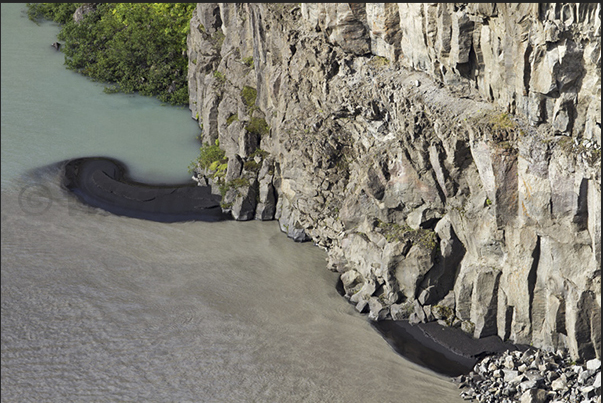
97	307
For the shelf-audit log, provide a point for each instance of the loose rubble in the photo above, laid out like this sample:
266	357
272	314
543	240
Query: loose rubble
532	376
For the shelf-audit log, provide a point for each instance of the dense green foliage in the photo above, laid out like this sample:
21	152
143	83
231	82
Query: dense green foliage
211	156
58	12
136	47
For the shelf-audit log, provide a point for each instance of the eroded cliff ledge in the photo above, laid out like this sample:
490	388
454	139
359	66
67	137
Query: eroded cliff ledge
447	156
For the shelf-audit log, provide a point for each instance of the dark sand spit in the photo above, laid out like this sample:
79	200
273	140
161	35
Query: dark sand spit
446	350
104	183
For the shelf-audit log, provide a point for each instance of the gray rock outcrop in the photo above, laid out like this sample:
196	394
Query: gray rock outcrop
447	156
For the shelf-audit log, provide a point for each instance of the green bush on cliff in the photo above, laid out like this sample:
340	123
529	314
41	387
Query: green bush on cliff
136	47
258	126
379	61
211	156
502	121
249	94
248	61
232	118
220	77
252	166
393	232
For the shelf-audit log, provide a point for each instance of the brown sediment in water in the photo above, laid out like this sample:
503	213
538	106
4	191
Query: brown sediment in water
104	183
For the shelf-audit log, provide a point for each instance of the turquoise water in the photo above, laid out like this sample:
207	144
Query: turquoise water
50	113
103	308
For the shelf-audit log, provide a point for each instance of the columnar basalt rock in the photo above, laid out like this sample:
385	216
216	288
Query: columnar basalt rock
447	156
540	59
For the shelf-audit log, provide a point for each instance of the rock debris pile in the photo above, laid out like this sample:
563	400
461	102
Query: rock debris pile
532	376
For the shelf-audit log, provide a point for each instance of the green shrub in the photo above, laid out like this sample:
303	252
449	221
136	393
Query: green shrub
249	94
252	166
393	232
232	118
233	184
379	61
427	238
220	76
248	61
238	183
211	155
258	152
502	122
218	39
134	47
258	126
57	12
396	232
224	204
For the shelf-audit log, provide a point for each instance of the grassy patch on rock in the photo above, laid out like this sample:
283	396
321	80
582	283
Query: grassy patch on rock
258	126
220	77
249	95
248	61
502	121
252	166
232	118
393	232
379	61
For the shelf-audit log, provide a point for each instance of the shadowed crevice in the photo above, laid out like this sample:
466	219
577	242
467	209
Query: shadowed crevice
533	274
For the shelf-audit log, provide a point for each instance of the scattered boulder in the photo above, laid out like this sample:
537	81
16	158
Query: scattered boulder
532	376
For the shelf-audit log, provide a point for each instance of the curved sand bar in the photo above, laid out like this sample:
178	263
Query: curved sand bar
104	183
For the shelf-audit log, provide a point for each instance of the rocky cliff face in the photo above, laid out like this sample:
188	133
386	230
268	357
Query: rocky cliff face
447	156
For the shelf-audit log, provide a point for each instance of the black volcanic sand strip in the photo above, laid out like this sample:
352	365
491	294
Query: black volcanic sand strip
411	343
104	183
446	350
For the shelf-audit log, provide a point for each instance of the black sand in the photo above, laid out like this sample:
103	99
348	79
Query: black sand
446	350
103	183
